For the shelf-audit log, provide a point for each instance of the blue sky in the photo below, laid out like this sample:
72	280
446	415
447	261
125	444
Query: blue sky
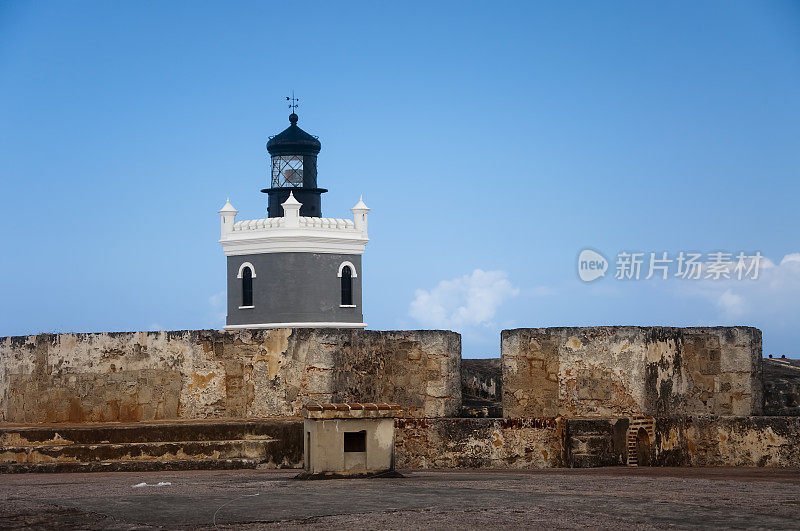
493	142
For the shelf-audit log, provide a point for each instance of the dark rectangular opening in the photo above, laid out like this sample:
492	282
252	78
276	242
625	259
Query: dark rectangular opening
308	451
355	441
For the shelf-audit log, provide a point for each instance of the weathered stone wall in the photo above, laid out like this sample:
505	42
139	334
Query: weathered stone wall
731	441
593	443
688	441
140	376
419	443
478	443
781	387
627	371
152	446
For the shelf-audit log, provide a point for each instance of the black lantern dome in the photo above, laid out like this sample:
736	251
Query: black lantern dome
293	141
293	154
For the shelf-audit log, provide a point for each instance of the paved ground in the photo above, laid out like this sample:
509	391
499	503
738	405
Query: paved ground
620	498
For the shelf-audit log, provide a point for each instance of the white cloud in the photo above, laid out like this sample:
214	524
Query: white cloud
543	291
786	275
467	301
775	293
731	303
217	299
791	258
219	310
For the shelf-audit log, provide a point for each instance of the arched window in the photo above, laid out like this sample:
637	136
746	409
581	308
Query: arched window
347	286
347	272
247	287
247	273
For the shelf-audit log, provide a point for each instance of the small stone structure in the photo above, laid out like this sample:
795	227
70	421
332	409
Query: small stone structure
349	440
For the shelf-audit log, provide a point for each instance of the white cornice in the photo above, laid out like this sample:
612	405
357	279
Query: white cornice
293	241
294	234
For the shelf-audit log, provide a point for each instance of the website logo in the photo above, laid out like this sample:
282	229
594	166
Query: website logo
591	265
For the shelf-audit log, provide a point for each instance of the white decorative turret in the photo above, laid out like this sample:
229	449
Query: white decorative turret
291	212
360	216
227	218
293	232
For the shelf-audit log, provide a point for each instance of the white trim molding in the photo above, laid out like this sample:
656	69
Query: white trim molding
294	233
347	306
295	325
246	307
293	241
350	265
241	270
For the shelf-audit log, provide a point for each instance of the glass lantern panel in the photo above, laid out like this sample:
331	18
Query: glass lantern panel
287	170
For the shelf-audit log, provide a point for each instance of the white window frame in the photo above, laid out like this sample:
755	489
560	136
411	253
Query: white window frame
341	267
241	274
352	267
241	269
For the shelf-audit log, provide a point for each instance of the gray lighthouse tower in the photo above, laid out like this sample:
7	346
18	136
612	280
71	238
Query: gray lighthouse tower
294	269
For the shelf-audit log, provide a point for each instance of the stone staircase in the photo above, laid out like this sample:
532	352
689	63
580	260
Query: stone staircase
152	446
632	437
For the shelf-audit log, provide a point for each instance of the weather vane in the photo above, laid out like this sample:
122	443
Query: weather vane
294	102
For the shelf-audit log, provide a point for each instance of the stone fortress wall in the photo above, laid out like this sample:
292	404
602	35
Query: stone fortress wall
571	397
145	376
627	370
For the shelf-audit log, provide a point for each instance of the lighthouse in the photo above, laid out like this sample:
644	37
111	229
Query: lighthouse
294	268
